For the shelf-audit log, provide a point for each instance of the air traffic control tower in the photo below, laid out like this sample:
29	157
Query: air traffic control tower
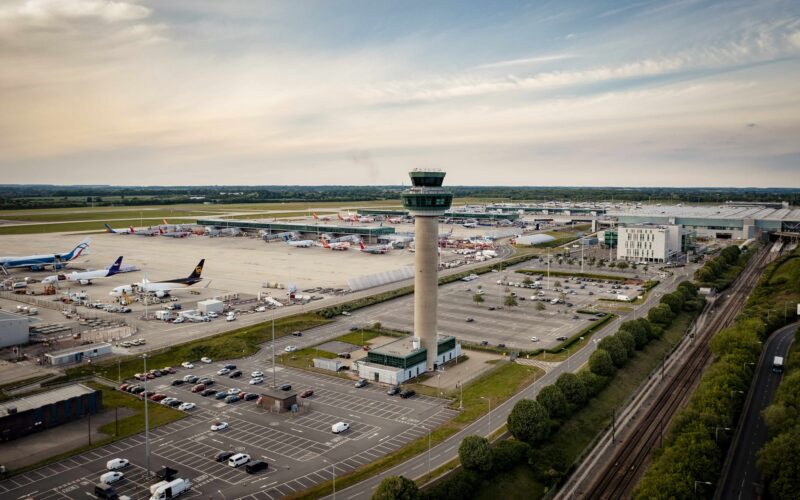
426	201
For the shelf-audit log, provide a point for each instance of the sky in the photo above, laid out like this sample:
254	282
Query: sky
576	93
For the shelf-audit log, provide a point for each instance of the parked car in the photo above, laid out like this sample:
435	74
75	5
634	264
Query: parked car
362	382
157	397
221	395
339	427
205	360
218	426
255	466
561	338
232	398
223	456
407	393
234	390
230	366
393	390
199	388
286	387
250	396
111	477
307	393
470	320
208	392
174	404
235	374
290	348
345	355
117	463
534	339
256	380
223	371
297	334
190	378
186	406
206	381
238	459
177	381
256	374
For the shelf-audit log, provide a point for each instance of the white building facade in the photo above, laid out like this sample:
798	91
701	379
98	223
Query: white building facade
648	242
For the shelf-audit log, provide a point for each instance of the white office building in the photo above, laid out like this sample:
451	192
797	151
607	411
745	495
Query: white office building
649	242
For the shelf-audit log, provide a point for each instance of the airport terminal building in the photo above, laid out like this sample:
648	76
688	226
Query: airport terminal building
404	359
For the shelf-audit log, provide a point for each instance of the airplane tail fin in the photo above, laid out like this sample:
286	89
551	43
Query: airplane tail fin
114	269
161	231
76	252
361	244
313	214
108	229
325	243
165	221
132	230
198	270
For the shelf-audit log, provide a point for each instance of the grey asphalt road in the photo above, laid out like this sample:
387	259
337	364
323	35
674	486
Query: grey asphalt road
448	449
741	478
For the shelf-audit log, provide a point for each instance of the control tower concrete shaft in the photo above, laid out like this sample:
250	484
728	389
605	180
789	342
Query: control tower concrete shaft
426	201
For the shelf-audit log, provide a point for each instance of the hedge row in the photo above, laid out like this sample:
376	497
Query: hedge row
694	450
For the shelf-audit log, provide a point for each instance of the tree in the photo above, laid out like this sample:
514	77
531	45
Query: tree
475	453
527	280
510	301
674	301
622	265
529	421
553	401
396	488
540	306
660	315
627	341
508	454
614	346
557	284
600	363
779	461
478	299
638	331
573	389
592	382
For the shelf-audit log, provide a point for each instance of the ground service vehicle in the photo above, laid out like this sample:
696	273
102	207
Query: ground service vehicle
172	489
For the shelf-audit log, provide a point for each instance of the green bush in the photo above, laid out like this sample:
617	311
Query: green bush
554	401
529	421
593	382
475	453
627	341
573	389
396	488
600	363
508	454
614	346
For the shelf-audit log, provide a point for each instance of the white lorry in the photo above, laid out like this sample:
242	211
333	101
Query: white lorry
171	489
623	298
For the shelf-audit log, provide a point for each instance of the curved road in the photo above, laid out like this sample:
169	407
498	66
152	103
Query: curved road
741	477
486	425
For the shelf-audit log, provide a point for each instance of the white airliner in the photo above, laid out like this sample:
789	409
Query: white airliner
86	277
300	243
160	288
342	245
376	249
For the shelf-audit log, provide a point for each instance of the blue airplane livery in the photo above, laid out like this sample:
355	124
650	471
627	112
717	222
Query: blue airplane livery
40	262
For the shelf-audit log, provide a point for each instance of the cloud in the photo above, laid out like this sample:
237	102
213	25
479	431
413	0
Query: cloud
44	13
526	61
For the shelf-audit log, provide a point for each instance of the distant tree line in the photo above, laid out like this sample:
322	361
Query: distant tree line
53	196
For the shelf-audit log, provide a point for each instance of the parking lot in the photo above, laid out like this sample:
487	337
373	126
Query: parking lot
495	323
299	448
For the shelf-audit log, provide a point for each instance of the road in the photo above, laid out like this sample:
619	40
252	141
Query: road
741	477
486	425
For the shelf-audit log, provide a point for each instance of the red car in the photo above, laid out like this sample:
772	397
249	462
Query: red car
124	387
168	369
242	395
307	393
199	388
157	397
366	348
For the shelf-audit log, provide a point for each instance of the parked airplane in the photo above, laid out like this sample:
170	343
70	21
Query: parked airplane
161	288
341	245
145	232
365	219
39	262
300	243
174	234
396	220
349	218
324	218
86	277
376	249
119	230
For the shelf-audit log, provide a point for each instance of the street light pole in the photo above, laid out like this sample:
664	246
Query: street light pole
146	418
273	347
490	411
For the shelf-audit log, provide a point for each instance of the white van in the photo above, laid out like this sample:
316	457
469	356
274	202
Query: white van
238	459
339	427
554	301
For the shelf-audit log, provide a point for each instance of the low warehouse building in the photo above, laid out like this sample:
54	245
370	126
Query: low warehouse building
211	305
23	416
77	354
13	329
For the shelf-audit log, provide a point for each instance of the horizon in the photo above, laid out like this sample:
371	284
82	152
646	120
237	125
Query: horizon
140	92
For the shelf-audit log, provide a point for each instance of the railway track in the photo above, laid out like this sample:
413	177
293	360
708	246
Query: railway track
619	476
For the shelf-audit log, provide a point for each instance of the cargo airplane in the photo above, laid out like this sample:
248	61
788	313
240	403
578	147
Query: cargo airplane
40	262
160	288
86	277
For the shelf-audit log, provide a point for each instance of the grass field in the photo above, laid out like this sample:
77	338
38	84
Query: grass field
64	227
106	215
